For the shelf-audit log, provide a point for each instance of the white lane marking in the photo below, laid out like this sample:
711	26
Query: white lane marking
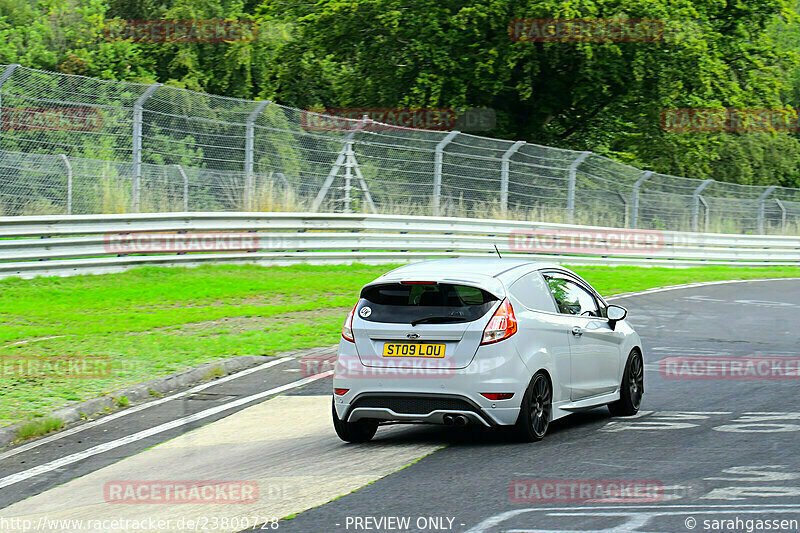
20	343
742	493
661	420
107	446
762	423
755	473
498	519
691	285
136	409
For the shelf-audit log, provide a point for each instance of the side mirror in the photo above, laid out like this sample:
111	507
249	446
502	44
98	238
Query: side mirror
615	313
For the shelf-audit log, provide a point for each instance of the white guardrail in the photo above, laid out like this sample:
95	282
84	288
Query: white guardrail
92	244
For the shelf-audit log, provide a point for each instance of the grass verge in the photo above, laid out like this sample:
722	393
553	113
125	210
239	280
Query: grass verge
150	322
38	426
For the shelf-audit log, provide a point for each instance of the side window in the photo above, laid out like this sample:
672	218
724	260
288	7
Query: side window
532	291
571	298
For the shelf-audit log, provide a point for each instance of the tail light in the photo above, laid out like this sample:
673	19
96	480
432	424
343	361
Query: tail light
497	395
340	392
347	329
502	325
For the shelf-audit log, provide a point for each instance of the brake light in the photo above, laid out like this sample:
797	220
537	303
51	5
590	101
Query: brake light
347	329
502	325
417	283
340	392
497	395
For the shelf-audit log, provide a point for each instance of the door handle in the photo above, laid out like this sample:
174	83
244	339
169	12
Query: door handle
577	331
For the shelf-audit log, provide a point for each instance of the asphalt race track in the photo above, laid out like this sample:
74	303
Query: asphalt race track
717	454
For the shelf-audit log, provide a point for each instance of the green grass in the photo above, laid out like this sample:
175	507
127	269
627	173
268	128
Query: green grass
37	427
151	322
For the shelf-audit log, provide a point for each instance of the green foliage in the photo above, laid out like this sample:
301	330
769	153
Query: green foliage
600	96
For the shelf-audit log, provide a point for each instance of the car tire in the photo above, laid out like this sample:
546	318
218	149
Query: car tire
536	409
361	431
632	388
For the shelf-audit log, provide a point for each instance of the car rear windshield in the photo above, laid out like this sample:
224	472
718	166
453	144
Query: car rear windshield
431	304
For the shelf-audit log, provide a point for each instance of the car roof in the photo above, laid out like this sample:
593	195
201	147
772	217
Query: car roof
488	266
490	273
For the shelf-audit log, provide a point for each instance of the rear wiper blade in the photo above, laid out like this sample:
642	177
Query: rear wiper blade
437	319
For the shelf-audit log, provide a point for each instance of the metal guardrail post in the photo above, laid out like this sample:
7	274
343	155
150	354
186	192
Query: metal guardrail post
573	178
504	170
249	148
68	167
185	187
635	200
783	214
696	203
136	182
438	158
761	200
4	78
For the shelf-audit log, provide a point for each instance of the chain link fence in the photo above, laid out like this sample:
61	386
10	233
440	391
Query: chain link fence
77	145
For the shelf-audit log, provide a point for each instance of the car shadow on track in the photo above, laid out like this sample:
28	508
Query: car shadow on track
561	429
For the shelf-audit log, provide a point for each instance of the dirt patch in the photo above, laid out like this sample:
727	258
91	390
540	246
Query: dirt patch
241	324
257	301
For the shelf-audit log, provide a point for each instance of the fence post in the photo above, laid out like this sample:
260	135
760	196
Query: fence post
4	78
137	146
573	178
696	203
249	147
437	171
761	200
68	166
635	200
504	170
624	208
783	215
707	213
185	187
348	176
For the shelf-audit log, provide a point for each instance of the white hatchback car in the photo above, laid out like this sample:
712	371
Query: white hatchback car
495	342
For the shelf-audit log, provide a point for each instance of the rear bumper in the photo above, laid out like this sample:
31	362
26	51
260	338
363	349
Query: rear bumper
415	408
423	397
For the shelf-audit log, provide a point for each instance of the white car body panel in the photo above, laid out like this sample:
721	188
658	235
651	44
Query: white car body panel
585	370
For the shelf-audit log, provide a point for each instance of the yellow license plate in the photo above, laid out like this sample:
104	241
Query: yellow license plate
392	349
